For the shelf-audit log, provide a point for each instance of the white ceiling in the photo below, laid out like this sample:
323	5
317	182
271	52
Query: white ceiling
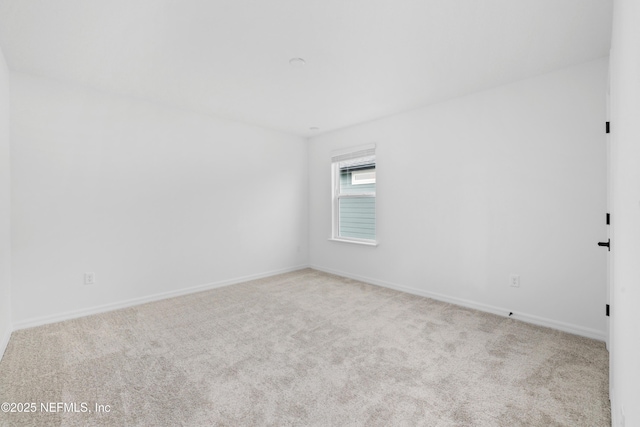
364	58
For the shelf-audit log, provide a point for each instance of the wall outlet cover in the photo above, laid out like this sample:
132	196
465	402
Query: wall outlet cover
514	281
89	278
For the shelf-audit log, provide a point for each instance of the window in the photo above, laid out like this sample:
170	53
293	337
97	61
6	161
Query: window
363	177
354	195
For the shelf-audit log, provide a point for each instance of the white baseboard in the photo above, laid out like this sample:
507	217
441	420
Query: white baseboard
44	320
529	318
554	324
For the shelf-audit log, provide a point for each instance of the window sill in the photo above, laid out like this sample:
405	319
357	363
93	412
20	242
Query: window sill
356	242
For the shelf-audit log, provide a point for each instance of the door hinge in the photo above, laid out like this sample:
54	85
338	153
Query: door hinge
608	309
608	127
608	218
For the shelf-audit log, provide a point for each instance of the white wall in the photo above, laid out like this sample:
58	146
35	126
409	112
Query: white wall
5	233
625	214
507	181
152	199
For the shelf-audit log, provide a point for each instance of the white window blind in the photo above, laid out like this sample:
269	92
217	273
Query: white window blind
354	153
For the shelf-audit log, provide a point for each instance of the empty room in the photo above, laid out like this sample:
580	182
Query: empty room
320	213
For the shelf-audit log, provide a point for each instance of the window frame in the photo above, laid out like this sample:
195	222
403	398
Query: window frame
336	196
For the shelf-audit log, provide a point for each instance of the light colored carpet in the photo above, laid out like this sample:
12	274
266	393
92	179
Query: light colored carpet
305	348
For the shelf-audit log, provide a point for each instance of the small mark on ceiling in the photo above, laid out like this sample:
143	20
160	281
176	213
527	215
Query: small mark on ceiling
297	62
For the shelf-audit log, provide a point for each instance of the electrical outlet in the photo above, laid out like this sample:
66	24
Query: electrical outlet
89	278
514	281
